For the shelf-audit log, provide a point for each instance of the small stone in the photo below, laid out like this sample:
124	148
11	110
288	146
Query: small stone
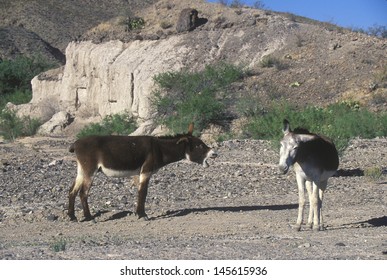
52	217
341	244
305	245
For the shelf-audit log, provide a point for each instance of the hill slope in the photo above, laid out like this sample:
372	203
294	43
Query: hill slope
29	25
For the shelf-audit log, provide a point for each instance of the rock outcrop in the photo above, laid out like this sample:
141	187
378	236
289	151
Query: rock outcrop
113	77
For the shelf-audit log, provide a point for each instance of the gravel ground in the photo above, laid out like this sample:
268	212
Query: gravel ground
238	208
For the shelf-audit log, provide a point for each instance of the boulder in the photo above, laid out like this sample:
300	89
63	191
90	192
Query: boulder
187	20
56	124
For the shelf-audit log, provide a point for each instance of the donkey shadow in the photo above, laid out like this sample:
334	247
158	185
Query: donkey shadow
185	212
374	222
119	215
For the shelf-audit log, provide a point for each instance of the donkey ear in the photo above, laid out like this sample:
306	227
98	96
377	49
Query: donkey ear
190	128
286	128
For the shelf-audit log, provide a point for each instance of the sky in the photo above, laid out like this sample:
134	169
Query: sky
345	13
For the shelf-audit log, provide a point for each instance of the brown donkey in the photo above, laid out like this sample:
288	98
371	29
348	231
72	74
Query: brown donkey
315	159
123	156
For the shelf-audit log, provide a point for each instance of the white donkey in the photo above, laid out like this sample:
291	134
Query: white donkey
315	159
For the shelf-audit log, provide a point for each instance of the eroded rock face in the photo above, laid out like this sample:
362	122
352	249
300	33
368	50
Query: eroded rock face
103	79
116	77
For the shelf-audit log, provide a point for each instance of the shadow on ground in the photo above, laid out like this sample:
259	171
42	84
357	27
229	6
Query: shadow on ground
184	212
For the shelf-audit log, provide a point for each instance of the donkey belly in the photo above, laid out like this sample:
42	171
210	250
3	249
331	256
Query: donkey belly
311	173
118	173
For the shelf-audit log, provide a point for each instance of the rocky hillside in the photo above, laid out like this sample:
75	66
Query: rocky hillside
110	66
46	27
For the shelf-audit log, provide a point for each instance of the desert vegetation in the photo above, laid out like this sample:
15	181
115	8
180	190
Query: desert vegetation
205	98
200	96
118	124
15	87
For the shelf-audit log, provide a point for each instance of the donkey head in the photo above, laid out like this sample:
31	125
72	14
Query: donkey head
196	150
290	145
288	151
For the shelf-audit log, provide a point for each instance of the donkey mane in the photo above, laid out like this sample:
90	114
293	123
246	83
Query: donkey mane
301	130
166	137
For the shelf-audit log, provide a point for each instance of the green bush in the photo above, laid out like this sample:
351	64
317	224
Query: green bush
17	97
134	23
184	97
12	126
58	245
17	74
341	122
374	173
120	124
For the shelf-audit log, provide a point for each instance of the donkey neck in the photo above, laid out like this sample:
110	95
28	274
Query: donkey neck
170	151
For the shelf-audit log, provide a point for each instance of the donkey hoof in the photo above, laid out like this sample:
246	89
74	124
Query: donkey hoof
73	218
297	227
145	218
317	228
142	216
87	219
309	225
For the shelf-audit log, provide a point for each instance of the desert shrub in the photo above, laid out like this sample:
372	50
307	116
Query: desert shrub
185	96
120	124
165	24
378	31
270	61
374	173
134	23
340	121
236	4
17	74
58	245
259	5
249	105
17	97
13	126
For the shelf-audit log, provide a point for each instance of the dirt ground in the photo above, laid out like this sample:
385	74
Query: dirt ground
238	208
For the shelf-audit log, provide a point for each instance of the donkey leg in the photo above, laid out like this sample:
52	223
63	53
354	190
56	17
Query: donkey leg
72	194
142	193
322	188
301	200
309	189
84	193
315	206
78	182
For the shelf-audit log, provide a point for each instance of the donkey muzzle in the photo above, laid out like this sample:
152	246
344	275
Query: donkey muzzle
211	154
283	169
